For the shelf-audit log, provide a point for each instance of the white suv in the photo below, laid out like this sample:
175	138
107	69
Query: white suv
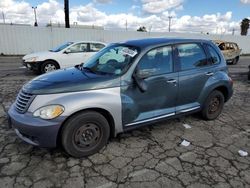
65	55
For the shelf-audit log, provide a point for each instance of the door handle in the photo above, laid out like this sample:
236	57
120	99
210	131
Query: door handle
209	73
172	81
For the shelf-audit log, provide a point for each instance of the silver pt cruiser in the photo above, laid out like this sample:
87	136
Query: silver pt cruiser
124	86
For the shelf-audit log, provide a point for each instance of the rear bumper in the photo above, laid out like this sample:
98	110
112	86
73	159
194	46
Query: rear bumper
34	130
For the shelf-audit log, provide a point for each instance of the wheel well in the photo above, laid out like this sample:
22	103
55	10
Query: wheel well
224	91
105	113
57	64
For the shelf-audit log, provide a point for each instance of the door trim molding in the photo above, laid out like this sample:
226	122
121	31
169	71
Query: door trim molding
189	109
151	119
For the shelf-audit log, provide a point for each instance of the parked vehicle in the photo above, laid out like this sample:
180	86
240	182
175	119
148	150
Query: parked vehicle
230	50
63	56
122	87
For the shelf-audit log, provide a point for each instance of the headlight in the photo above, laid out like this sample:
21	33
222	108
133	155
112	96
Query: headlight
49	112
31	59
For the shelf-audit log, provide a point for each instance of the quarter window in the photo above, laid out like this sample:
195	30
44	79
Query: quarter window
95	47
214	56
157	61
191	56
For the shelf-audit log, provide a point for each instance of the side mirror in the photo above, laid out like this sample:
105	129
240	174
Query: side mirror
67	51
144	73
140	82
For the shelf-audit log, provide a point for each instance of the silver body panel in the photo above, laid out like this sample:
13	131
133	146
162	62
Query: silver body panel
107	99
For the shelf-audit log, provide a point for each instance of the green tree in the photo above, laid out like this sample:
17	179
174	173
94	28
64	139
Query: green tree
142	29
244	26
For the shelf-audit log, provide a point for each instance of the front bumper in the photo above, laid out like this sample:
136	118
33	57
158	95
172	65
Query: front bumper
33	65
34	130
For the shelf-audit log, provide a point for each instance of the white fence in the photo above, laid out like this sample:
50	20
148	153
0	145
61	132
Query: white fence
18	39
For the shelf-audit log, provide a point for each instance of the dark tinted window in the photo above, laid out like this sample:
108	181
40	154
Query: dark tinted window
191	56
157	61
214	56
95	47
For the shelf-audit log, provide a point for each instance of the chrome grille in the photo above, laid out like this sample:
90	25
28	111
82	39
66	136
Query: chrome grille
23	101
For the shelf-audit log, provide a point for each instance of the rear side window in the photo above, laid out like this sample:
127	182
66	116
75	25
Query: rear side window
95	47
191	56
157	61
214	56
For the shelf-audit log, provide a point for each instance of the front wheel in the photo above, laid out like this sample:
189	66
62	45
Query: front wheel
235	60
213	105
48	66
85	134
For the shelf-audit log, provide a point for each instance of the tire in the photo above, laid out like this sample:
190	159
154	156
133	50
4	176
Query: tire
235	60
85	134
213	105
48	66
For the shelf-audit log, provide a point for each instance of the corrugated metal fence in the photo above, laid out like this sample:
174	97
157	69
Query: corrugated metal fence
18	39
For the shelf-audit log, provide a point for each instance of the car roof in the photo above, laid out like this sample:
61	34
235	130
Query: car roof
146	42
88	42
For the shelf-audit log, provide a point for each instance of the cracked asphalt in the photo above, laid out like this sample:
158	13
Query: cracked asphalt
148	157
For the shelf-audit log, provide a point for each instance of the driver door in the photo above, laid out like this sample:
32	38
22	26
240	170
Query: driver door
74	55
159	100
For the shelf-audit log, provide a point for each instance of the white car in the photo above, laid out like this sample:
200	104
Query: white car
65	55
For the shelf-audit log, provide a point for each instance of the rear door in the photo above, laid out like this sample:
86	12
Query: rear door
194	71
93	48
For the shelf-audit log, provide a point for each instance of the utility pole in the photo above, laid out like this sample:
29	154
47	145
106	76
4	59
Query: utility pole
35	24
169	22
126	25
3	17
66	11
233	31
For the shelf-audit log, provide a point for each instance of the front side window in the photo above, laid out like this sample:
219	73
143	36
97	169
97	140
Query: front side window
191	56
112	60
95	47
77	48
222	46
157	61
214	56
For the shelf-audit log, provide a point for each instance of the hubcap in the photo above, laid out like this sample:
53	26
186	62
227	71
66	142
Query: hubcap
214	105
87	135
49	67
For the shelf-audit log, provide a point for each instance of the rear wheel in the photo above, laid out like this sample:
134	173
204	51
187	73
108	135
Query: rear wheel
85	134
48	66
213	105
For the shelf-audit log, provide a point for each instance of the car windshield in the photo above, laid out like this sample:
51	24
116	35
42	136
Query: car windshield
114	60
61	47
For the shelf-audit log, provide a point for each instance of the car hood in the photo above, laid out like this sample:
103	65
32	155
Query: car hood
69	80
38	54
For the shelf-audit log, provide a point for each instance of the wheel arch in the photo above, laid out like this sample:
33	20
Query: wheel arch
102	111
53	60
224	91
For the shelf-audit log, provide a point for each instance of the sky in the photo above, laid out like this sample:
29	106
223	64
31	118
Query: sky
211	16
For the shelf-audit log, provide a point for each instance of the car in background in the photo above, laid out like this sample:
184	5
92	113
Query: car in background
230	50
66	55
